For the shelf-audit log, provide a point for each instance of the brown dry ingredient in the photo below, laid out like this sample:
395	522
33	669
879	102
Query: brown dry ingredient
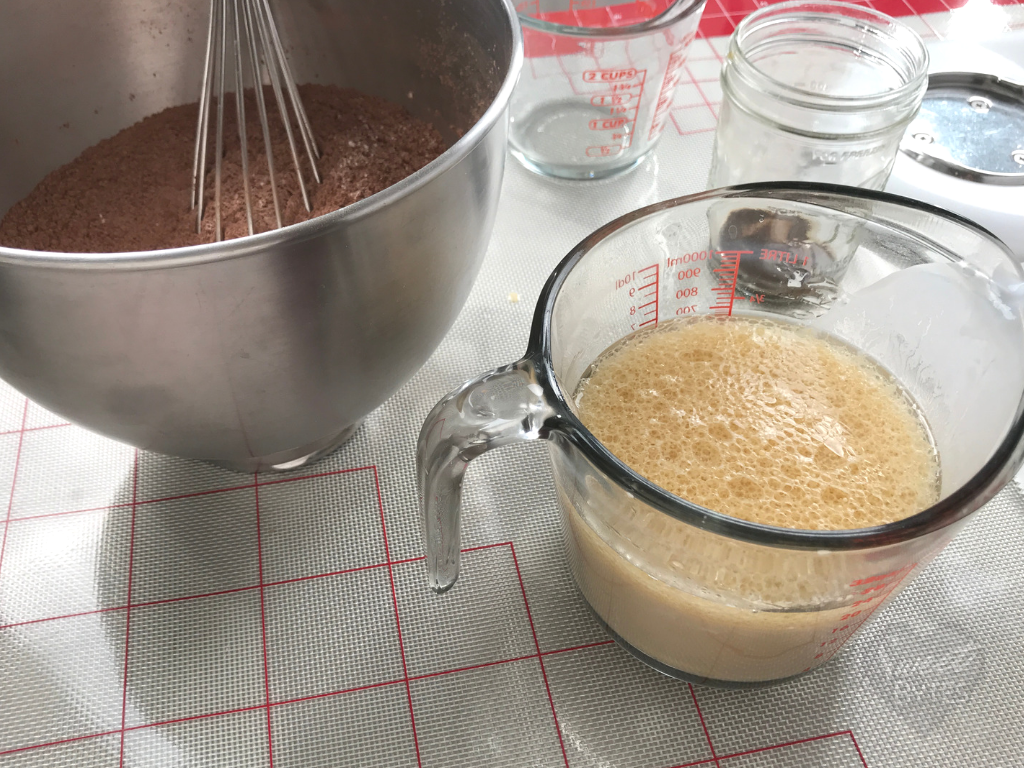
131	192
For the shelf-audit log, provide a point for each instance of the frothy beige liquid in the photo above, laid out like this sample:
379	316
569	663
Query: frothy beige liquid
760	420
763	421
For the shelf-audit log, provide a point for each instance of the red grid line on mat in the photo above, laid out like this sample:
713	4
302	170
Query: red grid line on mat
398	621
703	725
194	494
232	591
714	51
297	700
540	660
696	84
270	704
793	743
691	132
909	12
14	482
734	16
128	597
328	694
189	718
707	761
14	624
856	746
263	617
482	665
721	17
405	680
57	743
33	429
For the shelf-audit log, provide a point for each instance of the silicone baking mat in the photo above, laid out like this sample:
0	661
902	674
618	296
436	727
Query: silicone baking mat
160	612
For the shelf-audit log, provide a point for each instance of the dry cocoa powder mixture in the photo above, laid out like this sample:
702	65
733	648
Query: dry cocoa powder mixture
131	192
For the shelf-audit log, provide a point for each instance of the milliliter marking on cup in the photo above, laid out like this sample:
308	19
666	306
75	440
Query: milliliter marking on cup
617	91
874	592
687	268
690	271
727	273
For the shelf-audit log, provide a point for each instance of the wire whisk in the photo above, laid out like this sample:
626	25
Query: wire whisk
247	29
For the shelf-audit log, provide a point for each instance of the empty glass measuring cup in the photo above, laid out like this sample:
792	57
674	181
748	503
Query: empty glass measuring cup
694	593
597	82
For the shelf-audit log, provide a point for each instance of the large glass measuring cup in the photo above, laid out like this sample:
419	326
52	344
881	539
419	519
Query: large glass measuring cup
697	594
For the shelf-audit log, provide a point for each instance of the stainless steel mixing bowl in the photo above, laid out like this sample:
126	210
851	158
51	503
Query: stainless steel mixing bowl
263	352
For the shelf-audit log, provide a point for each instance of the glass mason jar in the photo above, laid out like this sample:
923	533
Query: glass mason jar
817	91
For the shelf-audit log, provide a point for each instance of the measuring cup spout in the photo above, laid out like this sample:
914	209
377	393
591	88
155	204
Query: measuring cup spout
504	406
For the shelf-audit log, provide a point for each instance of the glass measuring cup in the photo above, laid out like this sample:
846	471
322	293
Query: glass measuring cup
597	82
694	593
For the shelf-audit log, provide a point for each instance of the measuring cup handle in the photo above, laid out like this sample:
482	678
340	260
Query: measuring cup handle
498	408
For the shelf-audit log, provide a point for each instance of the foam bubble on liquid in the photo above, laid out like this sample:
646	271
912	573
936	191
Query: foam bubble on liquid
764	421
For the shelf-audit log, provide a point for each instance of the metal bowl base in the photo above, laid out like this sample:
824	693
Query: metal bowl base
292	459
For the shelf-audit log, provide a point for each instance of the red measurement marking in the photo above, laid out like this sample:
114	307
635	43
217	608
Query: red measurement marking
645	291
619	91
609	75
879	577
890	581
785	257
726	273
668	86
610	99
608	124
686	258
688	293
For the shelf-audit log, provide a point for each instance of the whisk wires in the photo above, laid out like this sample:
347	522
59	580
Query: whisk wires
248	29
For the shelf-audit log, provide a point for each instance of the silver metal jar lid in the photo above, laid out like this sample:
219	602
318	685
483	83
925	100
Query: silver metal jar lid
970	126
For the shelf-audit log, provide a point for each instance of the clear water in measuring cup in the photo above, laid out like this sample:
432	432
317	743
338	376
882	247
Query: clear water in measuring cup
598	114
574	137
593	105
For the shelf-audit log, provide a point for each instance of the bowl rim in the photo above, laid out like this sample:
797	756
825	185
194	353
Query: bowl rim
677	11
305	230
958	505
